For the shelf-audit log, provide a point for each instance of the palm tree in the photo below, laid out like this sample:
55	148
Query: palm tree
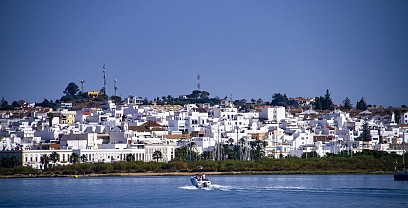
231	141
181	152
157	155
206	155
242	149
54	157
130	157
75	158
83	158
257	149
45	160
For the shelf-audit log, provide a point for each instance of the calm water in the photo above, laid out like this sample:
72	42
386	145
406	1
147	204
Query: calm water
227	191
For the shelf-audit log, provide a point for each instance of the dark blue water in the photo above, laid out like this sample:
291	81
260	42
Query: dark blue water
227	191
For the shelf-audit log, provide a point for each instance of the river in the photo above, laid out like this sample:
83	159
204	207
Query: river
226	191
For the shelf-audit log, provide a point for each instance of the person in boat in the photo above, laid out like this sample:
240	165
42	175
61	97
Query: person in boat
196	177
203	177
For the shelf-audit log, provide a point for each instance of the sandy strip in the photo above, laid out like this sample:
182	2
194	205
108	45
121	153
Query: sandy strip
153	174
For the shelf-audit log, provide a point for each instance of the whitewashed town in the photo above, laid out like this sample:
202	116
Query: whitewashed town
112	132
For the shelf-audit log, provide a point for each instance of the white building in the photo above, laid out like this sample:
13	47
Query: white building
404	118
273	114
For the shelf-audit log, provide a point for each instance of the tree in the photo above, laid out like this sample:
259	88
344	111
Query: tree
318	103
145	101
45	160
365	134
54	157
103	91
257	149
83	158
116	99
130	157
205	94
328	103
279	100
347	104
14	161
195	94
397	115
361	105
15	104
7	162
206	155
71	89
49	104
75	157
157	155
259	101
170	99
4	105
3	102
181	153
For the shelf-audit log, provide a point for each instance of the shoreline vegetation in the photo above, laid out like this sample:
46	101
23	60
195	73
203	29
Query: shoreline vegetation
366	162
209	174
317	172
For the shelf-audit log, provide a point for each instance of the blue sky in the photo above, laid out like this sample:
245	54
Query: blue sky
250	49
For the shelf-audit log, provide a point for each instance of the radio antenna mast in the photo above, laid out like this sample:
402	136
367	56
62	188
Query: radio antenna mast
82	81
114	86
198	82
104	79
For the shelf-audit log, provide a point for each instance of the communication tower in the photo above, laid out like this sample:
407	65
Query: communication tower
198	82
114	86
82	81
104	79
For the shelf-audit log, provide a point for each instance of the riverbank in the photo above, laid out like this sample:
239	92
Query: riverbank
192	173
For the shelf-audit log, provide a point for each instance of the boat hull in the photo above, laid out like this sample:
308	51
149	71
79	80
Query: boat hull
401	177
200	183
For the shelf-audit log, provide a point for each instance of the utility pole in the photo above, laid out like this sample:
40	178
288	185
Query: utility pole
236	143
218	148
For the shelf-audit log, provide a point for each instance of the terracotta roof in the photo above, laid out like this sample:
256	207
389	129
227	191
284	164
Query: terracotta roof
151	124
178	136
300	98
148	126
138	129
200	110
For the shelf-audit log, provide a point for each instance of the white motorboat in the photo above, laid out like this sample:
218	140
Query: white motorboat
199	182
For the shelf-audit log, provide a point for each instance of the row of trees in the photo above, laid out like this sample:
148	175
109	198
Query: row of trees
197	96
367	161
157	155
361	105
254	151
72	93
324	103
8	162
4	105
54	157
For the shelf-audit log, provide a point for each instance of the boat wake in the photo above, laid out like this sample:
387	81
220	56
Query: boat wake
189	187
280	189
